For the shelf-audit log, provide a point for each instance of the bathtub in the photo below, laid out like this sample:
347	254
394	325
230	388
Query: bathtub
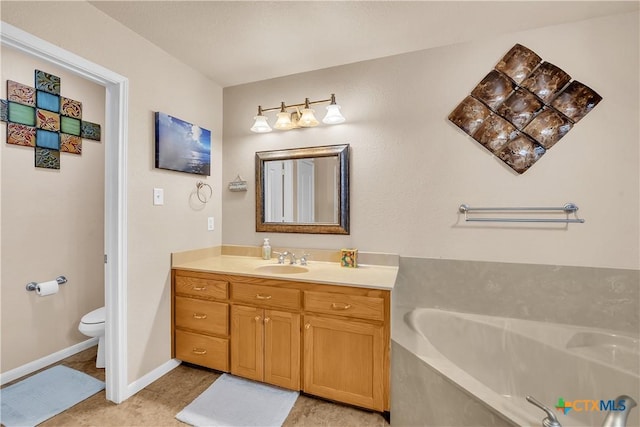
498	361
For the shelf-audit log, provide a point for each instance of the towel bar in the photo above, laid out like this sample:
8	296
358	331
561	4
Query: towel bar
568	208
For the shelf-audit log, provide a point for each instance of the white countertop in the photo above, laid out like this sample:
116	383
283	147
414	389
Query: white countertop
330	273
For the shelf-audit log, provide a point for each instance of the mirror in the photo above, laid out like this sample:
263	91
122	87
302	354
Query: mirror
303	190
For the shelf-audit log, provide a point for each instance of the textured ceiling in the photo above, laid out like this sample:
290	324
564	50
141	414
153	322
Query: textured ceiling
235	42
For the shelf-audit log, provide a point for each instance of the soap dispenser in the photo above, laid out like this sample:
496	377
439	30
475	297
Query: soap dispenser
266	249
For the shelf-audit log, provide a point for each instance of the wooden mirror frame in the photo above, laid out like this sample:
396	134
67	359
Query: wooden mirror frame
342	226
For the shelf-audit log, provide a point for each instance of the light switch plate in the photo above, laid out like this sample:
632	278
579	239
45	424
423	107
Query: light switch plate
210	224
158	196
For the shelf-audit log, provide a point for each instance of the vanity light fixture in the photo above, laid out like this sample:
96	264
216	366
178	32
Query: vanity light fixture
297	118
285	121
260	125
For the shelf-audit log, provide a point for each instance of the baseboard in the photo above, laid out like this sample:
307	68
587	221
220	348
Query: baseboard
31	367
152	376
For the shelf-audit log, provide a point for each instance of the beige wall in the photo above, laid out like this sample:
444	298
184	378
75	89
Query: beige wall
52	224
411	168
157	82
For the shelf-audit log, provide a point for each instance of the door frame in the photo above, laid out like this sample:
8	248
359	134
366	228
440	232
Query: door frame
115	140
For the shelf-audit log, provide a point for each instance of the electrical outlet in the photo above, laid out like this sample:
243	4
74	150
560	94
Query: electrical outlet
158	196
210	224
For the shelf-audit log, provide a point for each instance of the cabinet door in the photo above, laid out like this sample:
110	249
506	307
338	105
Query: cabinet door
344	361
247	347
282	349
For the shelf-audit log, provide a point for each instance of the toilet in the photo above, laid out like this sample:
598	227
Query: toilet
92	325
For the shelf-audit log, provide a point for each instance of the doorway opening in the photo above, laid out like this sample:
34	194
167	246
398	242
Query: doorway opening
115	133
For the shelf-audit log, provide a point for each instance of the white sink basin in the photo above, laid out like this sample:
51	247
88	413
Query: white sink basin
281	269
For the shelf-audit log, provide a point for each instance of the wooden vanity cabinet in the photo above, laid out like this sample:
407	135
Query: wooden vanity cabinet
265	345
200	320
265	339
346	346
331	341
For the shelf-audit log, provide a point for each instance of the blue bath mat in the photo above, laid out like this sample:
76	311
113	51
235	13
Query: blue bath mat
45	394
235	402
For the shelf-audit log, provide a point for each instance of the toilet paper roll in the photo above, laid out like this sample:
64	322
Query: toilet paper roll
47	288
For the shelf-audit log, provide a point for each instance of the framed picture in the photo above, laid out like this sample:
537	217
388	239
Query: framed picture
182	146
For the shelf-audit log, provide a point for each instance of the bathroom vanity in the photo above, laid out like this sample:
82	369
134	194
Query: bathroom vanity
321	329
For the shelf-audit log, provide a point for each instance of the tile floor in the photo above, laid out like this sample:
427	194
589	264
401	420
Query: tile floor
157	404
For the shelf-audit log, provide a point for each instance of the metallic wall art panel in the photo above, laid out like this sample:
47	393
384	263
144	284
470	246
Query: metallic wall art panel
90	131
47	82
18	134
22	94
4	110
70	125
22	114
39	117
47	120
47	101
70	144
576	101
70	108
47	139
523	107
47	158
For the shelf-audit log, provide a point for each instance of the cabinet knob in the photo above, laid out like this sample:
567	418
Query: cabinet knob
260	296
199	351
307	326
257	318
199	316
340	306
199	288
266	319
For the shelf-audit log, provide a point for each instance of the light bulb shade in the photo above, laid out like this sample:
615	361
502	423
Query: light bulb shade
308	119
284	121
333	116
260	125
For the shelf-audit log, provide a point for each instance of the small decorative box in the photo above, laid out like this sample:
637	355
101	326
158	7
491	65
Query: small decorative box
349	258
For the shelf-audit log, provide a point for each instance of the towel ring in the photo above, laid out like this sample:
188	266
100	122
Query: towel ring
202	197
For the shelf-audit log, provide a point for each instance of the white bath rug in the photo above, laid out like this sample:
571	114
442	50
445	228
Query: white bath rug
45	394
235	402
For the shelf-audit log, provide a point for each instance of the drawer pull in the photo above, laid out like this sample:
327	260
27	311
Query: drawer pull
340	306
260	296
199	288
199	316
199	351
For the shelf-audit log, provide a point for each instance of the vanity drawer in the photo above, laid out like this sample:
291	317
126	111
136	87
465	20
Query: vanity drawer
201	287
202	315
266	296
363	307
202	350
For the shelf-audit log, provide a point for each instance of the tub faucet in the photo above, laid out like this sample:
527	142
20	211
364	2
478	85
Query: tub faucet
550	420
617	416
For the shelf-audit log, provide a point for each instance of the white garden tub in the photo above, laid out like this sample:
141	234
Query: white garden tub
499	361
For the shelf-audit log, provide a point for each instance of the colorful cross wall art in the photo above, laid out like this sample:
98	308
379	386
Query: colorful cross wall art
40	117
523	107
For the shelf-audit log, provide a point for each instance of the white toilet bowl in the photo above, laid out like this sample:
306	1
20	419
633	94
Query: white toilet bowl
92	325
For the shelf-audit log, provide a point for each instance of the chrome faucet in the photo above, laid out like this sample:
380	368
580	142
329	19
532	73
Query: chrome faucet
550	420
283	255
304	258
618	414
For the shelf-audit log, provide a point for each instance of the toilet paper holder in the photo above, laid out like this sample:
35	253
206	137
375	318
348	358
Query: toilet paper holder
32	286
